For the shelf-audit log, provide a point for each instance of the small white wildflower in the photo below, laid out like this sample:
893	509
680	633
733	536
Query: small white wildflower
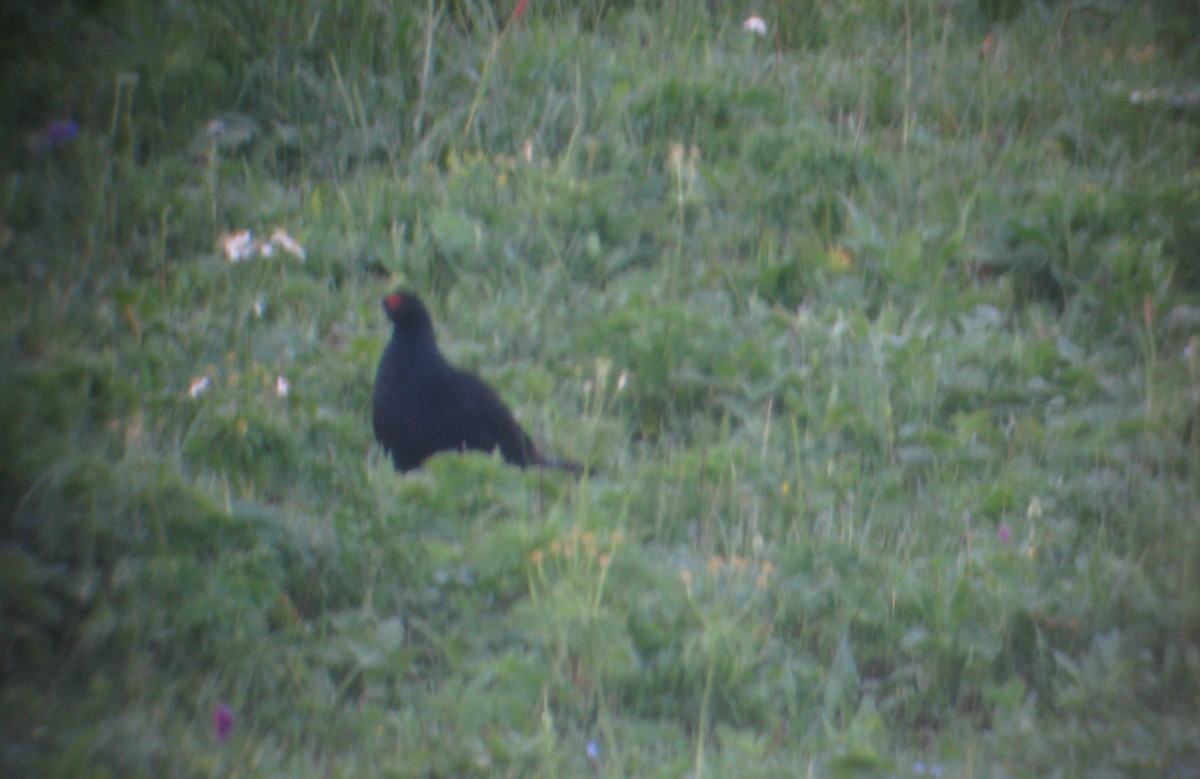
1138	97
281	386
755	25
675	157
199	386
622	380
259	307
286	242
238	246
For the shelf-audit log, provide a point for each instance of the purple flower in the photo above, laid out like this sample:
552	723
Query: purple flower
59	133
1003	533
593	751
222	720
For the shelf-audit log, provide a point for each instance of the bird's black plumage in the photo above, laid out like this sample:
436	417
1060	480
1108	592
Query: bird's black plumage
422	404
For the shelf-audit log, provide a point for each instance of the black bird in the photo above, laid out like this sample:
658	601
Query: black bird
423	405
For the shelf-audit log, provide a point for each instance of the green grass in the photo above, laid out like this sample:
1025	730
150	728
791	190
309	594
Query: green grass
878	337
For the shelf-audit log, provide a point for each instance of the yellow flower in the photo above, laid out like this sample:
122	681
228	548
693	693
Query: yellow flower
839	259
764	574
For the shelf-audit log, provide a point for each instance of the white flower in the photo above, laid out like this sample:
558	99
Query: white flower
622	379
259	307
242	245
238	246
281	386
199	386
755	24
286	242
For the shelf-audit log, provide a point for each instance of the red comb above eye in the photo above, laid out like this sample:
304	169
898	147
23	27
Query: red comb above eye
394	301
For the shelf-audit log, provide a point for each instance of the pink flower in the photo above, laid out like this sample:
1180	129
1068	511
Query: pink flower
222	721
519	11
1003	533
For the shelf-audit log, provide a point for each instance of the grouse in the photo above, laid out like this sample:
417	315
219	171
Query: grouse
422	404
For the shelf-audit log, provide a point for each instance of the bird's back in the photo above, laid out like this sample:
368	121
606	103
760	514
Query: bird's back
422	405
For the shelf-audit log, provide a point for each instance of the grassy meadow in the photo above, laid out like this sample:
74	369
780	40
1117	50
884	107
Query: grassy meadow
878	334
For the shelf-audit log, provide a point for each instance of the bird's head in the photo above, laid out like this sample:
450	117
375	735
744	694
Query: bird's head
407	312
